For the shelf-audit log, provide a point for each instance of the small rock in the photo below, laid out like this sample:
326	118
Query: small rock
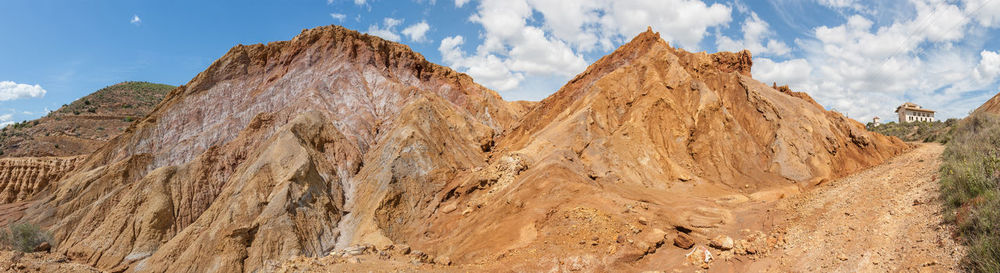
354	260
841	257
643	221
449	207
442	260
620	239
44	246
722	242
699	256
355	250
404	249
388	247
683	241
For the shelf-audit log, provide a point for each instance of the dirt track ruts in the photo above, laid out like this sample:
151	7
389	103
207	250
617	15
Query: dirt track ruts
884	219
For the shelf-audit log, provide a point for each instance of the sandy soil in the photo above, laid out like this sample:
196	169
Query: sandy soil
884	219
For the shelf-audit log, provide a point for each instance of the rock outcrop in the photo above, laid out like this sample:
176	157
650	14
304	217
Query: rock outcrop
337	138
289	148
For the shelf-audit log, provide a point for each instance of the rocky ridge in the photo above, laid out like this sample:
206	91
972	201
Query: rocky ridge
990	106
84	125
336	139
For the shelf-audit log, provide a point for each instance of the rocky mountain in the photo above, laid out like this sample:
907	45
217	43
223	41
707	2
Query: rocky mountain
85	124
336	138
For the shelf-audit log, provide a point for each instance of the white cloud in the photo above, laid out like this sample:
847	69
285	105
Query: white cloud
793	72
417	32
135	20
986	12
864	69
386	30
988	68
338	16
518	42
360	2
755	33
460	3
838	3
11	91
6	119
486	69
683	21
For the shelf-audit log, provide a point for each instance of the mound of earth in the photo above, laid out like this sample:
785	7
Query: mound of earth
337	139
85	124
991	106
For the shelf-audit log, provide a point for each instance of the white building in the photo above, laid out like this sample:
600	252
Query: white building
910	112
876	121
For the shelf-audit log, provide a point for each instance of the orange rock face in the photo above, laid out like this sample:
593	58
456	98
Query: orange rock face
336	138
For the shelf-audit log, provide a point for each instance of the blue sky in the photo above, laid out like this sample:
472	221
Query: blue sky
861	58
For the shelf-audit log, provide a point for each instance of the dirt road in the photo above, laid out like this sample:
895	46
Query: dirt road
884	219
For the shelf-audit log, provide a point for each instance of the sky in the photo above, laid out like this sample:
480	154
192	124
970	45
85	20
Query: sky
860	58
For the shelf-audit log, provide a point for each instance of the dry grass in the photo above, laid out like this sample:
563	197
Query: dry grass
23	236
970	185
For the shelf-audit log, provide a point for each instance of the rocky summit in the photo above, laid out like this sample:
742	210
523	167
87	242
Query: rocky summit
341	143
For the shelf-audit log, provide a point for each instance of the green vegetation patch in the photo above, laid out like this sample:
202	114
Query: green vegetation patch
970	186
23	236
934	131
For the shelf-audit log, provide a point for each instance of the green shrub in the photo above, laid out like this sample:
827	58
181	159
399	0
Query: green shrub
23	236
970	186
934	131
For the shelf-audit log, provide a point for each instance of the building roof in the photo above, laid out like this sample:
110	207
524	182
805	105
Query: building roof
913	107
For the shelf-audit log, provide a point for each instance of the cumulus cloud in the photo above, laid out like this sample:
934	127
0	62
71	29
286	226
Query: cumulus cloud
386	31
417	32
460	3
986	12
793	72
864	69
487	69
135	20
360	2
11	91
988	68
6	119
338	16
517	41
755	39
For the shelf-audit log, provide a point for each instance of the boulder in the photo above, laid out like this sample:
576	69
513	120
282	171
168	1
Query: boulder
683	241
722	242
44	246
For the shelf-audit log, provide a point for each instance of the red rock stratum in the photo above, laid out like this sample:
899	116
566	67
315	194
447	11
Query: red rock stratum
336	138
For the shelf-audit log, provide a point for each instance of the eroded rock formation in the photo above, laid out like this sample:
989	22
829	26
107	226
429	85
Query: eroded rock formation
22	177
337	138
